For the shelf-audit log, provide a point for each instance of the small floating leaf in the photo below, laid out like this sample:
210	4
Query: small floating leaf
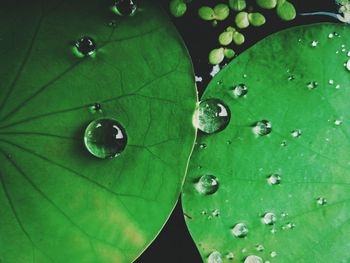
242	20
256	19
286	10
206	13
216	56
267	4
237	5
177	8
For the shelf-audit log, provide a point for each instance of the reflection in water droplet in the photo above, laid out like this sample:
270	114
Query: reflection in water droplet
85	46
240	90
253	259
314	43
105	138
296	133
125	7
312	85
213	116
260	247
321	201
262	128
207	184
274	179
269	218
240	230
215	257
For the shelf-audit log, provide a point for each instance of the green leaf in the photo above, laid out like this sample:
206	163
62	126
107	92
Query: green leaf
216	56
256	19
229	53
238	38
286	10
58	202
237	5
267	4
177	8
300	172
221	11
206	13
242	20
225	38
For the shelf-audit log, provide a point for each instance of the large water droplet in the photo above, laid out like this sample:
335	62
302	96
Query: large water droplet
274	179
213	116
215	257
240	230
105	138
262	128
125	7
240	90
207	184
253	259
269	218
85	46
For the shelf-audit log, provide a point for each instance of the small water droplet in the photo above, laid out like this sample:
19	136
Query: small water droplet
253	259
269	218
274	179
230	256
284	143
260	247
337	86
213	116
331	82
348	54
125	7
273	254
112	23
296	133
289	226
330	35
215	257
291	77
240	230
85	46
105	138
338	122
284	214
312	85
202	146
262	128
314	43
96	107
216	212
240	90
348	65
321	201
207	184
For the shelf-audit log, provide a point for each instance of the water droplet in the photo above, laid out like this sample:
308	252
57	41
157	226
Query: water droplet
260	247
213	116
216	212
125	7
112	23
230	256
330	35
85	46
96	107
338	122
331	82
240	90
273	254
321	201
269	218
337	86
348	65
284	143
262	128
207	184
348	54
274	179
202	146
284	214
296	133
214	257
291	77
314	43
253	259
312	85
105	138
240	230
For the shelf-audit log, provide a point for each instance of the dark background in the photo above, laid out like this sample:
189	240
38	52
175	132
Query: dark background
174	243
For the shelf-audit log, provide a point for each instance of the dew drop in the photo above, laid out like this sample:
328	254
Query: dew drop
348	65
96	107
314	43
240	90
321	201
260	247
338	122
331	82
284	143
213	116
330	35
291	77
112	23
284	214
296	133
269	218
105	138
274	179
273	254
240	230
262	128
202	146
215	212
253	259
207	184
230	256
85	46
312	85
125	7
214	257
